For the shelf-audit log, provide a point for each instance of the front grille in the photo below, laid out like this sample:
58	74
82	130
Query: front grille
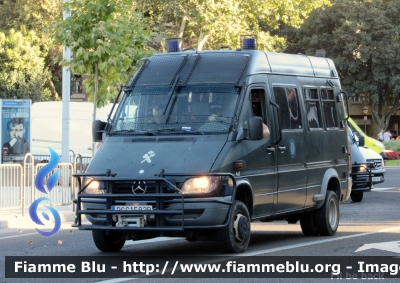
139	187
375	164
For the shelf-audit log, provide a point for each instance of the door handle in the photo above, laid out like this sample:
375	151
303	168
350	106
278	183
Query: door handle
282	148
270	149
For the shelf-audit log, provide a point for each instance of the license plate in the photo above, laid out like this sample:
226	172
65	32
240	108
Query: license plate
376	179
132	207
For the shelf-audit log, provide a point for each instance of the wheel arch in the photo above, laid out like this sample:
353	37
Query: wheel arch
244	193
330	182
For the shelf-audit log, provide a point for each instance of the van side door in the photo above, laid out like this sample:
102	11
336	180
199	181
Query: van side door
291	150
260	155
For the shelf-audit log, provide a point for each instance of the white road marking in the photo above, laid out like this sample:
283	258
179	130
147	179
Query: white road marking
385	246
17	236
381	189
22	233
160	239
294	246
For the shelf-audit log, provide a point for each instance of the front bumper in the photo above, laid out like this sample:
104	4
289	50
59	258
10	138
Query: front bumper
166	210
364	181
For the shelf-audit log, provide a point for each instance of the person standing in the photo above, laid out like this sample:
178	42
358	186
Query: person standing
387	136
380	135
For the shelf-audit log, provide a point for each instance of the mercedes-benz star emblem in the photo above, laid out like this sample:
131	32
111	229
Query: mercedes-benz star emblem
139	187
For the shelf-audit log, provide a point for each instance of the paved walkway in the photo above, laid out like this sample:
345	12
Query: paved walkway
13	218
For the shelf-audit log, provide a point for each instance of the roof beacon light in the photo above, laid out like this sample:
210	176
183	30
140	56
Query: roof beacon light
173	46
249	43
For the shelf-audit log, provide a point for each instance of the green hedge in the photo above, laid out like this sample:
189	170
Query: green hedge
392	145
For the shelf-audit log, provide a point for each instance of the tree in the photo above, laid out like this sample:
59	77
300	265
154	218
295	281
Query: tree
363	39
107	39
38	16
211	24
23	73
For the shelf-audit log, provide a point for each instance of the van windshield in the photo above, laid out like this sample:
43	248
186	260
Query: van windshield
193	109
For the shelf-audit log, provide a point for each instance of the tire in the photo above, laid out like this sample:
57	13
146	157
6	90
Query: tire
235	237
307	224
357	196
327	217
107	243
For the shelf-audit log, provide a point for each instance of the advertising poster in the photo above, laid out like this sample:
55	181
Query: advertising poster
15	130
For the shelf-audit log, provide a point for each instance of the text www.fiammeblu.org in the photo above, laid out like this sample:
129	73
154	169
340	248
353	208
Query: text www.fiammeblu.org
231	267
234	267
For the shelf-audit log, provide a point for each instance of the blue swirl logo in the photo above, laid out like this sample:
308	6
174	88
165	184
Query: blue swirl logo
35	217
50	183
52	180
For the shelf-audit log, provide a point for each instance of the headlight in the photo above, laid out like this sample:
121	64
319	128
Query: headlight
208	184
94	187
362	168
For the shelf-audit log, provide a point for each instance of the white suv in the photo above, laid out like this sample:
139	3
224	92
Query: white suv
375	164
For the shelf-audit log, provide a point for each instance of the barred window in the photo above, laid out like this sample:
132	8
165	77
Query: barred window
329	108
287	99
313	108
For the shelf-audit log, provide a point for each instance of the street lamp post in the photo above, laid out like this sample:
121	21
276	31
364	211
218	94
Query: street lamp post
365	111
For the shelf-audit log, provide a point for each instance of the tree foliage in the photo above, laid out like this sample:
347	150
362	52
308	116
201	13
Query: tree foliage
363	39
23	73
106	38
112	35
209	24
38	16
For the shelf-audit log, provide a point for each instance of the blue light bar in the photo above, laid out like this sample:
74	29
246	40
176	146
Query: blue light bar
173	46
249	44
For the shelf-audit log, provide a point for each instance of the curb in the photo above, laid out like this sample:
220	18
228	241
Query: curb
17	221
3	224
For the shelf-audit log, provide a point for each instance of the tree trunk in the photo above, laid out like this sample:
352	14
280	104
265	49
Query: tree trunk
202	40
181	30
381	118
53	89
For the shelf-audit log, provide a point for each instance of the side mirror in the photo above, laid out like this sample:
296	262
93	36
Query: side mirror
361	141
97	130
255	128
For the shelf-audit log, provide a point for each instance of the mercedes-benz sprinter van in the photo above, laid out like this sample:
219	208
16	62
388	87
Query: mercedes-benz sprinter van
184	153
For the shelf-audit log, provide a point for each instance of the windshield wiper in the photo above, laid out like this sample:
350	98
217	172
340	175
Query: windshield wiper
127	131
178	131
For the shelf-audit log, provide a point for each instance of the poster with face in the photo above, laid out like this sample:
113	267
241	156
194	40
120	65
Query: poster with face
15	130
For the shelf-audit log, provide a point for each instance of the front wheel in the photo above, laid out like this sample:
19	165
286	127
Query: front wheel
357	196
107	242
235	237
327	216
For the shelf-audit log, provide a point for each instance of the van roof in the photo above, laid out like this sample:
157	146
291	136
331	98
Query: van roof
211	67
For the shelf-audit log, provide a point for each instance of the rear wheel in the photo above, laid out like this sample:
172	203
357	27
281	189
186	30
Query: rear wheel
327	217
307	224
357	196
107	242
235	237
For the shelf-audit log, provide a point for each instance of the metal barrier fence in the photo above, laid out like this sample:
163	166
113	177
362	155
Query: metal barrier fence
17	182
11	186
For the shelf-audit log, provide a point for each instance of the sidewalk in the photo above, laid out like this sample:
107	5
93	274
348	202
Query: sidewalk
12	218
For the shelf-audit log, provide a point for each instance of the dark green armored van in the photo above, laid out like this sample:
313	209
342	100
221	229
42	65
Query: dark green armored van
185	152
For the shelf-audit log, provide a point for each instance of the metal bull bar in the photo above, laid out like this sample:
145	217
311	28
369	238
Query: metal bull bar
367	174
161	199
